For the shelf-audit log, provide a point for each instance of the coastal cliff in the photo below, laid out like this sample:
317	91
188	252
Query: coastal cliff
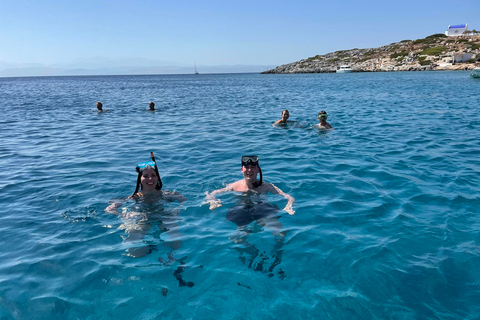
435	52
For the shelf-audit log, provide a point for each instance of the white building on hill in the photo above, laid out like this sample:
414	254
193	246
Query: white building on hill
456	30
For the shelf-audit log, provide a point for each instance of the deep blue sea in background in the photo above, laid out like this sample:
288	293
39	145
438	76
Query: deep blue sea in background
387	221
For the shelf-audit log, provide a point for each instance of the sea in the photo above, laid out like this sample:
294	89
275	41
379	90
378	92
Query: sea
386	222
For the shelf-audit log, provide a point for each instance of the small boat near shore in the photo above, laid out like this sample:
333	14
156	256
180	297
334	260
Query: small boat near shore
475	73
344	69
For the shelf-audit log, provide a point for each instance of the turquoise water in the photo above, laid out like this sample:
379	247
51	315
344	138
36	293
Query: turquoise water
386	223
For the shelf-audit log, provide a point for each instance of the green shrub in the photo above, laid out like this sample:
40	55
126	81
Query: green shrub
419	41
398	54
430	39
425	63
364	59
435	51
317	57
405	41
474	46
436	35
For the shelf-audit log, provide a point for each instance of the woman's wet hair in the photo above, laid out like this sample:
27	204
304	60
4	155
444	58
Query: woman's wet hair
139	179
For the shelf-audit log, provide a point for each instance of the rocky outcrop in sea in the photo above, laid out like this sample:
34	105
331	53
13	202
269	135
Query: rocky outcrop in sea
435	52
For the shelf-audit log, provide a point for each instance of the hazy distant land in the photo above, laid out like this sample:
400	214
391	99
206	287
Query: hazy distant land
133	66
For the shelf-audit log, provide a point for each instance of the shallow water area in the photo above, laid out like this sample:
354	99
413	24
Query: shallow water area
386	223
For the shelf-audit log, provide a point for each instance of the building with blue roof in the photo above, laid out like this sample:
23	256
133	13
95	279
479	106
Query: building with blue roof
456	30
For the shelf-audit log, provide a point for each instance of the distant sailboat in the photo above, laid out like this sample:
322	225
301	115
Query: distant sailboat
195	68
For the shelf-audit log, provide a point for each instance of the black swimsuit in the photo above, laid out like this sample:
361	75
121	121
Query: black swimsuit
247	211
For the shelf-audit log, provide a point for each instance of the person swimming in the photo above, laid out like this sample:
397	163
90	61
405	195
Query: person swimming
250	169
149	204
322	121
149	211
284	119
250	208
149	187
151	106
100	109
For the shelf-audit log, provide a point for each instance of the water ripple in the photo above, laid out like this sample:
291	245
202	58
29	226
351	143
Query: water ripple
386	222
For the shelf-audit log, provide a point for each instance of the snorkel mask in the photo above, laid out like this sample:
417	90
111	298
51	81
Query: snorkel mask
147	165
253	161
249	161
322	115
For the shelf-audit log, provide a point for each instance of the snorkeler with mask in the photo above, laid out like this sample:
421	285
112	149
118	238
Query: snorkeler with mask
251	208
148	195
149	211
250	169
322	121
149	187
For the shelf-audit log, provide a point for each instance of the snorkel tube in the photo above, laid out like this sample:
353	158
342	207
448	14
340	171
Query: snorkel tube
144	165
159	184
259	183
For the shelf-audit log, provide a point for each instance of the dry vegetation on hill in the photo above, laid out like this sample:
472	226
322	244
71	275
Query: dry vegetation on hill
434	52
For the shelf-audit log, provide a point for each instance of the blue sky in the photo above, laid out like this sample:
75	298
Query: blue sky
215	32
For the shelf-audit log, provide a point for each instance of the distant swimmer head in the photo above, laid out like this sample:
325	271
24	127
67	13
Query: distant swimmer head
285	114
148	176
151	105
99	106
322	115
250	169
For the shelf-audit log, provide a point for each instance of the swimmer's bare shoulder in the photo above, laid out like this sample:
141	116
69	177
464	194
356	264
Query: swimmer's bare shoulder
237	186
265	188
326	126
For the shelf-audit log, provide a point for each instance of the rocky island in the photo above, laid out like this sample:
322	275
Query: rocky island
435	52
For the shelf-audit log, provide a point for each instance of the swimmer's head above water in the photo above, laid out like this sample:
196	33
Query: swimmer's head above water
250	169
99	106
148	176
151	105
322	121
322	115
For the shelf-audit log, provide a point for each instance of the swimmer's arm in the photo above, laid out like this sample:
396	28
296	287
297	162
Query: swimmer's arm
277	122
116	203
289	207
174	196
222	190
215	203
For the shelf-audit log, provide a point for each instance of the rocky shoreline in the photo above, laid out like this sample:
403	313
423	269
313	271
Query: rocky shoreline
435	52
